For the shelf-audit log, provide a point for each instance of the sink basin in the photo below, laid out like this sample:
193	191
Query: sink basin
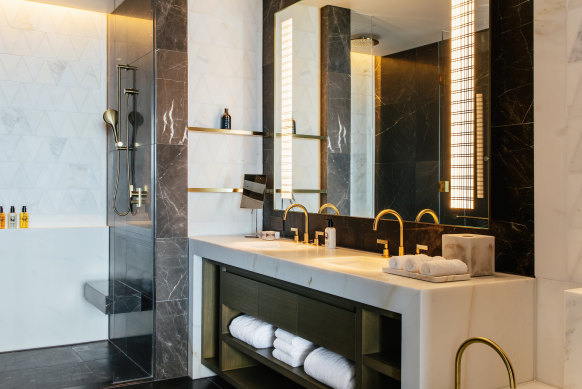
356	263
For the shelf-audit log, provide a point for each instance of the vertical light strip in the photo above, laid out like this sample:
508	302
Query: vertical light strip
462	103
479	171
287	109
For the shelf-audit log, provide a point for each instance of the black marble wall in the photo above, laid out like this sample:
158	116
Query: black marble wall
171	201
336	88
511	192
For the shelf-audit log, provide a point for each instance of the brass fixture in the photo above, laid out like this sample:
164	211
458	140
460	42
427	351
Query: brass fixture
306	234
392	212
444	186
386	252
111	117
215	190
421	247
328	205
427	211
495	347
138	196
317	235
296	231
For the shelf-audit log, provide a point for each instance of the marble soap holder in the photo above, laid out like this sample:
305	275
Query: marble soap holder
477	251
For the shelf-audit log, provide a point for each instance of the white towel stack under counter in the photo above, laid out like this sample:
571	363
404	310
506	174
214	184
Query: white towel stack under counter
252	331
428	266
291	349
330	368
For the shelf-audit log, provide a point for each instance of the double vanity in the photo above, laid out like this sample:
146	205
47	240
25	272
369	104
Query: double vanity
398	331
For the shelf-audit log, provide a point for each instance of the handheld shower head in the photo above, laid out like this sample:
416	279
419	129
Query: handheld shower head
110	117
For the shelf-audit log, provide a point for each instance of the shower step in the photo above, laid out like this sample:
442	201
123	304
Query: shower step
112	297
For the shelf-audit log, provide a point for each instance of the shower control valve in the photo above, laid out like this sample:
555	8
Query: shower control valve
138	196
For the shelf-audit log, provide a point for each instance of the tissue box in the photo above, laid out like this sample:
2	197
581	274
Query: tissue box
477	251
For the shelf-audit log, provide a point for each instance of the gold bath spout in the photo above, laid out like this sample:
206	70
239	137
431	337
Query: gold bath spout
430	212
328	205
306	233
392	212
495	347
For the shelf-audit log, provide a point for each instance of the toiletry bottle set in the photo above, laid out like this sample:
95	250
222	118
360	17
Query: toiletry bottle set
226	120
12	217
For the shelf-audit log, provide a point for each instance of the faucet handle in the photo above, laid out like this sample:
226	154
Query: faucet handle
421	247
317	235
296	231
386	252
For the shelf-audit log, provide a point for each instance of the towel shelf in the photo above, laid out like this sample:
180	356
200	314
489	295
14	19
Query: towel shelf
382	364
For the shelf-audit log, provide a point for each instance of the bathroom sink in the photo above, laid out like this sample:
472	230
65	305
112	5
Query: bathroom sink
355	263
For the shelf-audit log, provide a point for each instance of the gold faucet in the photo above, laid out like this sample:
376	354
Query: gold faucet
392	212
328	205
306	234
430	212
495	347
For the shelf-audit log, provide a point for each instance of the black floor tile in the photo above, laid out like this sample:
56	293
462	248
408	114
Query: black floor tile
96	350
49	377
31	359
115	368
185	383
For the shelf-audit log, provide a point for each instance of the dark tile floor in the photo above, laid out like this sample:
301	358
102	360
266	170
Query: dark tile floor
185	383
83	366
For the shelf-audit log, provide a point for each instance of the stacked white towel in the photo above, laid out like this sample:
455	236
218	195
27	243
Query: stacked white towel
330	368
252	331
443	267
397	261
291	349
412	264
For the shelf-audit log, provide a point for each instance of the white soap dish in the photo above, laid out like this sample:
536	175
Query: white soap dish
418	276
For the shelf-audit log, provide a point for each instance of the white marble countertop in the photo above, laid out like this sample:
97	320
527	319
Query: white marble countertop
436	317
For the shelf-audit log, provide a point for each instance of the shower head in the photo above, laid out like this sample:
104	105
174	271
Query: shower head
135	118
110	117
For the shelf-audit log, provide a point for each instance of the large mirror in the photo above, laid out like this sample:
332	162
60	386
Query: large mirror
384	104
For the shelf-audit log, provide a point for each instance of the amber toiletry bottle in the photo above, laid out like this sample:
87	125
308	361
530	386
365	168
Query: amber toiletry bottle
2	218
24	218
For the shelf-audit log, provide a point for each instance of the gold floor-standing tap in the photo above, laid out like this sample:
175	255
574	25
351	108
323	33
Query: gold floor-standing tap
494	346
430	212
328	205
392	212
306	234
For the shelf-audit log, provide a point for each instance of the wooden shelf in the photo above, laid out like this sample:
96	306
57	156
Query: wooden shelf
225	132
382	364
265	356
258	377
215	190
305	136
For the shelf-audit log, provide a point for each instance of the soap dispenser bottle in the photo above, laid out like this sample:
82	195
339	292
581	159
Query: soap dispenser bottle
2	218
12	218
330	235
24	218
225	122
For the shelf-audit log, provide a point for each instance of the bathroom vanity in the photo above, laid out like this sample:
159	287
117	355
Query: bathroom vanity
400	332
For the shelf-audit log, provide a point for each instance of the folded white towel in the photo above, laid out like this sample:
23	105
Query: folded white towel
252	331
292	339
330	368
290	360
413	263
397	261
298	353
443	267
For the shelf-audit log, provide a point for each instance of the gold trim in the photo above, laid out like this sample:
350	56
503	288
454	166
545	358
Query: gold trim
226	132
305	136
471	217
494	346
215	190
320	191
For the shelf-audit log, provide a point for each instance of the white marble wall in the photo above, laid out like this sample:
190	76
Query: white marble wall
41	284
224	71
573	339
558	174
53	84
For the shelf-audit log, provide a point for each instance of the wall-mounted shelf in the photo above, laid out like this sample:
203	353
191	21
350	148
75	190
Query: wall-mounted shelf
215	190
225	132
305	136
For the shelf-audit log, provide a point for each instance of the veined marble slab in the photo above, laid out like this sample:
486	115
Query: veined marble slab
572	339
436	317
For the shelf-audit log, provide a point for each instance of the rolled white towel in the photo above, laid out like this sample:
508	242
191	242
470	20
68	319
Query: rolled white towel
292	339
330	368
413	263
291	360
397	261
252	331
443	267
300	352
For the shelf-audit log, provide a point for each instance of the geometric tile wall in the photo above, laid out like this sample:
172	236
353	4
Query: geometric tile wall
52	97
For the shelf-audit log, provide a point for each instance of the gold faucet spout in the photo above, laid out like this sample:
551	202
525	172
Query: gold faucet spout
494	346
328	205
397	215
430	212
306	233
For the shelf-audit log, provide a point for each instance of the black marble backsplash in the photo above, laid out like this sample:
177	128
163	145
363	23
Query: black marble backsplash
511	192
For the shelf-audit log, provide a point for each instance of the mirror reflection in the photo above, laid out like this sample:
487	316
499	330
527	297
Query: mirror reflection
383	104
